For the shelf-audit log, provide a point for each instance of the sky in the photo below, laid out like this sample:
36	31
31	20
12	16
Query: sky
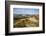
25	11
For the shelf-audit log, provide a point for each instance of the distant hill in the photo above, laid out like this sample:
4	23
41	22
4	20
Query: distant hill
24	15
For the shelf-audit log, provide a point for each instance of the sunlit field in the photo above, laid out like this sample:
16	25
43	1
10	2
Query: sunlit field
26	21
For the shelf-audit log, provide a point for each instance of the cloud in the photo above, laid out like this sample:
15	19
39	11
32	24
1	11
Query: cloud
25	11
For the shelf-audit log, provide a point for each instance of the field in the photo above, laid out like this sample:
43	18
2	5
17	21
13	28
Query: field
26	20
